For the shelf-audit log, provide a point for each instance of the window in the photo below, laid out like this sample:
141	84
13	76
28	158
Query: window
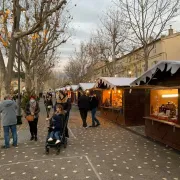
112	98
164	104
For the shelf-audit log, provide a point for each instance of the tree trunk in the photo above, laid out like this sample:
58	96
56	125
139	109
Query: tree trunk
10	65
28	79
12	50
146	58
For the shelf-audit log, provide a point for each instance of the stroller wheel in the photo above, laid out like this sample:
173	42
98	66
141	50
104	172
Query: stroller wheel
47	151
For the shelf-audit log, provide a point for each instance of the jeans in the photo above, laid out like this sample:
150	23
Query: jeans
55	135
83	113
6	135
33	127
94	119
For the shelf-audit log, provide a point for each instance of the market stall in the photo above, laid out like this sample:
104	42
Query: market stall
119	103
74	94
162	112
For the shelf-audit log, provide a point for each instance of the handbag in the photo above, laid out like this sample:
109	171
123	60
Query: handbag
49	107
30	118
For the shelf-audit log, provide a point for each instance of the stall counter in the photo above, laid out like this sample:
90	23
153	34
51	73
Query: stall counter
166	132
114	114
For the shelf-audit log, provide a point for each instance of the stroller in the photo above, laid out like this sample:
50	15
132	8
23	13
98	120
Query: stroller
63	139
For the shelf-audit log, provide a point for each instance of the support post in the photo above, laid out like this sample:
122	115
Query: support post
178	109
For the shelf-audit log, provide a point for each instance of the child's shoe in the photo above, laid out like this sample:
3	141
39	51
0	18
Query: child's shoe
58	141
50	139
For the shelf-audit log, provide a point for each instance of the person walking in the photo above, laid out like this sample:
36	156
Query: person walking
93	107
65	102
49	104
8	109
83	104
32	111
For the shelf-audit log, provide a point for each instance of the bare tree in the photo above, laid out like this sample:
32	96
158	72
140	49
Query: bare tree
108	42
12	17
147	19
37	51
76	69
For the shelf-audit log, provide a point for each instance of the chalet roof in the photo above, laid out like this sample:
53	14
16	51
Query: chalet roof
86	86
74	87
113	82
164	65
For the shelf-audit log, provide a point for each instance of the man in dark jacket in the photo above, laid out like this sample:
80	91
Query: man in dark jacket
93	107
83	104
9	120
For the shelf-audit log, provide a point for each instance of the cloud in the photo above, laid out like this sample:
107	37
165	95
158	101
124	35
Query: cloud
85	20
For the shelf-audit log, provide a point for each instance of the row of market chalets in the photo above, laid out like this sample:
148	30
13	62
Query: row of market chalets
151	100
74	91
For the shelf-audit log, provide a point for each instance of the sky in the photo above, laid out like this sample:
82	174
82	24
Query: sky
86	16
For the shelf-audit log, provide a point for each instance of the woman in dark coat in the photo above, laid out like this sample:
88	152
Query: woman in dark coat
32	108
65	102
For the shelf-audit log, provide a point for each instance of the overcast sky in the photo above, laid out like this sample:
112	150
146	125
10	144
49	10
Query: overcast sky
85	19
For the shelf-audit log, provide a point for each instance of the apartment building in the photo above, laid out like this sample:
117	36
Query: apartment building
132	64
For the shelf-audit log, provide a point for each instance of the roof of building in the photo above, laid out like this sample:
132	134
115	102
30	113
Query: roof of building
172	66
113	82
86	86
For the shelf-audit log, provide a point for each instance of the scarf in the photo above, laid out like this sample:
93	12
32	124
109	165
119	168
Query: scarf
32	106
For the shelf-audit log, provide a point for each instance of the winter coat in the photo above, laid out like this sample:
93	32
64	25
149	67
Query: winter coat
93	102
65	102
8	112
57	122
37	110
83	102
48	102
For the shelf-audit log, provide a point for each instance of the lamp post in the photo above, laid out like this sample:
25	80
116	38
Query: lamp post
19	87
130	73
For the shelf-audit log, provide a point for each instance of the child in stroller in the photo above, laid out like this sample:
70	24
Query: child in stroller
56	135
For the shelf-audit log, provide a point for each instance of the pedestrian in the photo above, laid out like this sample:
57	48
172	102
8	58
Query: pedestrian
56	123
94	102
49	104
8	109
65	102
83	104
32	115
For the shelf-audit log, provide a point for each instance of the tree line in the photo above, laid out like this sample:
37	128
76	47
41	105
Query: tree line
126	26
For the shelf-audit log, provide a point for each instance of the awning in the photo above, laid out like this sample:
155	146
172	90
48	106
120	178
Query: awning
171	66
113	82
86	86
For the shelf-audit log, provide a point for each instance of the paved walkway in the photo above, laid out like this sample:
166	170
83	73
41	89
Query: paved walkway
108	152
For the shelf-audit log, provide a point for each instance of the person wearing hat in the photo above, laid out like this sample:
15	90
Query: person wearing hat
32	110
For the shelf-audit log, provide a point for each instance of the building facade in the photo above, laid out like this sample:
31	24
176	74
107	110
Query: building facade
132	64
